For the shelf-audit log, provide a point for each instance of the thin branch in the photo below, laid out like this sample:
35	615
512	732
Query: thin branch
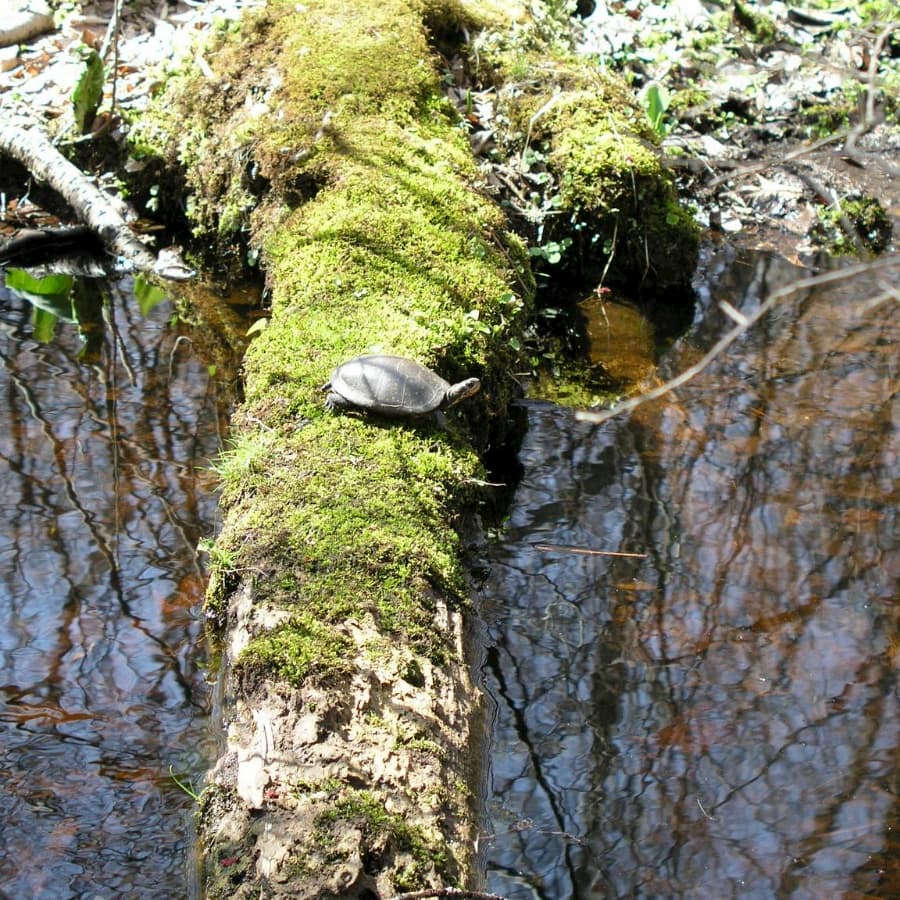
115	27
739	171
533	120
868	119
446	892
587	551
734	314
730	337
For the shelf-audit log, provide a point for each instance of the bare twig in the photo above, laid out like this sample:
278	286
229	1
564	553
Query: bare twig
734	314
738	171
446	892
112	39
533	120
587	551
730	337
609	259
868	119
705	813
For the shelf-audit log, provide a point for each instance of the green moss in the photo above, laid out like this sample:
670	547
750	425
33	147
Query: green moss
299	648
760	26
688	98
423	745
865	219
822	119
356	64
598	190
323	66
324	787
622	204
420	854
592	161
878	11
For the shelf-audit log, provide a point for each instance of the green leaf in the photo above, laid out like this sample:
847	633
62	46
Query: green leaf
656	101
44	325
147	294
88	92
24	283
52	294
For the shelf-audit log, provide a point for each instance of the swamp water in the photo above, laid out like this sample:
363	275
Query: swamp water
103	443
714	712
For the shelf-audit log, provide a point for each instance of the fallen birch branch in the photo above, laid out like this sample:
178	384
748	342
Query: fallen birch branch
29	145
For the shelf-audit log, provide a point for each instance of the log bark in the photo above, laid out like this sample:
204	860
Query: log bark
27	143
21	21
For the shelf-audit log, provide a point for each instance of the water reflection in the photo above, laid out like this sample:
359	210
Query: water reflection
103	504
717	716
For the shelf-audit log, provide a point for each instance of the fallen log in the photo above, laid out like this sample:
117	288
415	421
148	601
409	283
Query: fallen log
27	143
21	21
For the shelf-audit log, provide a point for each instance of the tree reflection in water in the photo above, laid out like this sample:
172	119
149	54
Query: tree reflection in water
103	504
719	718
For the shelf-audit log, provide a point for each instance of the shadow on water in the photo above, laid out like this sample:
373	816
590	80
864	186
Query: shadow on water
105	432
718	714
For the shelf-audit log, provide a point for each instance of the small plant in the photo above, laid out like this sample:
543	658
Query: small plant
88	92
187	788
242	464
760	26
656	103
552	252
509	306
858	221
219	555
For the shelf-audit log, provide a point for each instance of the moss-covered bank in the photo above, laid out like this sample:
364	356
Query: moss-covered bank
593	195
318	137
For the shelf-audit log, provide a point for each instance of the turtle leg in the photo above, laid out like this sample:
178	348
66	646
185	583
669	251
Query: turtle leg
335	402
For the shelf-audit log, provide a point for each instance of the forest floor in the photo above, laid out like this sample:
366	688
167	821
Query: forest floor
780	121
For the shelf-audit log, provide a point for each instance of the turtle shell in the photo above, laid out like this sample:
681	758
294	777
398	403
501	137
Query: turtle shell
391	385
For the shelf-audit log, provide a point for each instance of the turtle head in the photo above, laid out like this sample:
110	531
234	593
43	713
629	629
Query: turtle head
460	391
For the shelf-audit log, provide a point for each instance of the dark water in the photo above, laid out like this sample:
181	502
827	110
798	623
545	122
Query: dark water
718	715
102	686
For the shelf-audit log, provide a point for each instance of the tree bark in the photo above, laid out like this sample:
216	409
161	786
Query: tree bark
28	144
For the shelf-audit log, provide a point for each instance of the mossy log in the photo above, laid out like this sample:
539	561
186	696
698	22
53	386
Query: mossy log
318	136
353	724
588	157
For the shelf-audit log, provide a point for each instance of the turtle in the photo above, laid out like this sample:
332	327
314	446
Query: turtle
393	386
